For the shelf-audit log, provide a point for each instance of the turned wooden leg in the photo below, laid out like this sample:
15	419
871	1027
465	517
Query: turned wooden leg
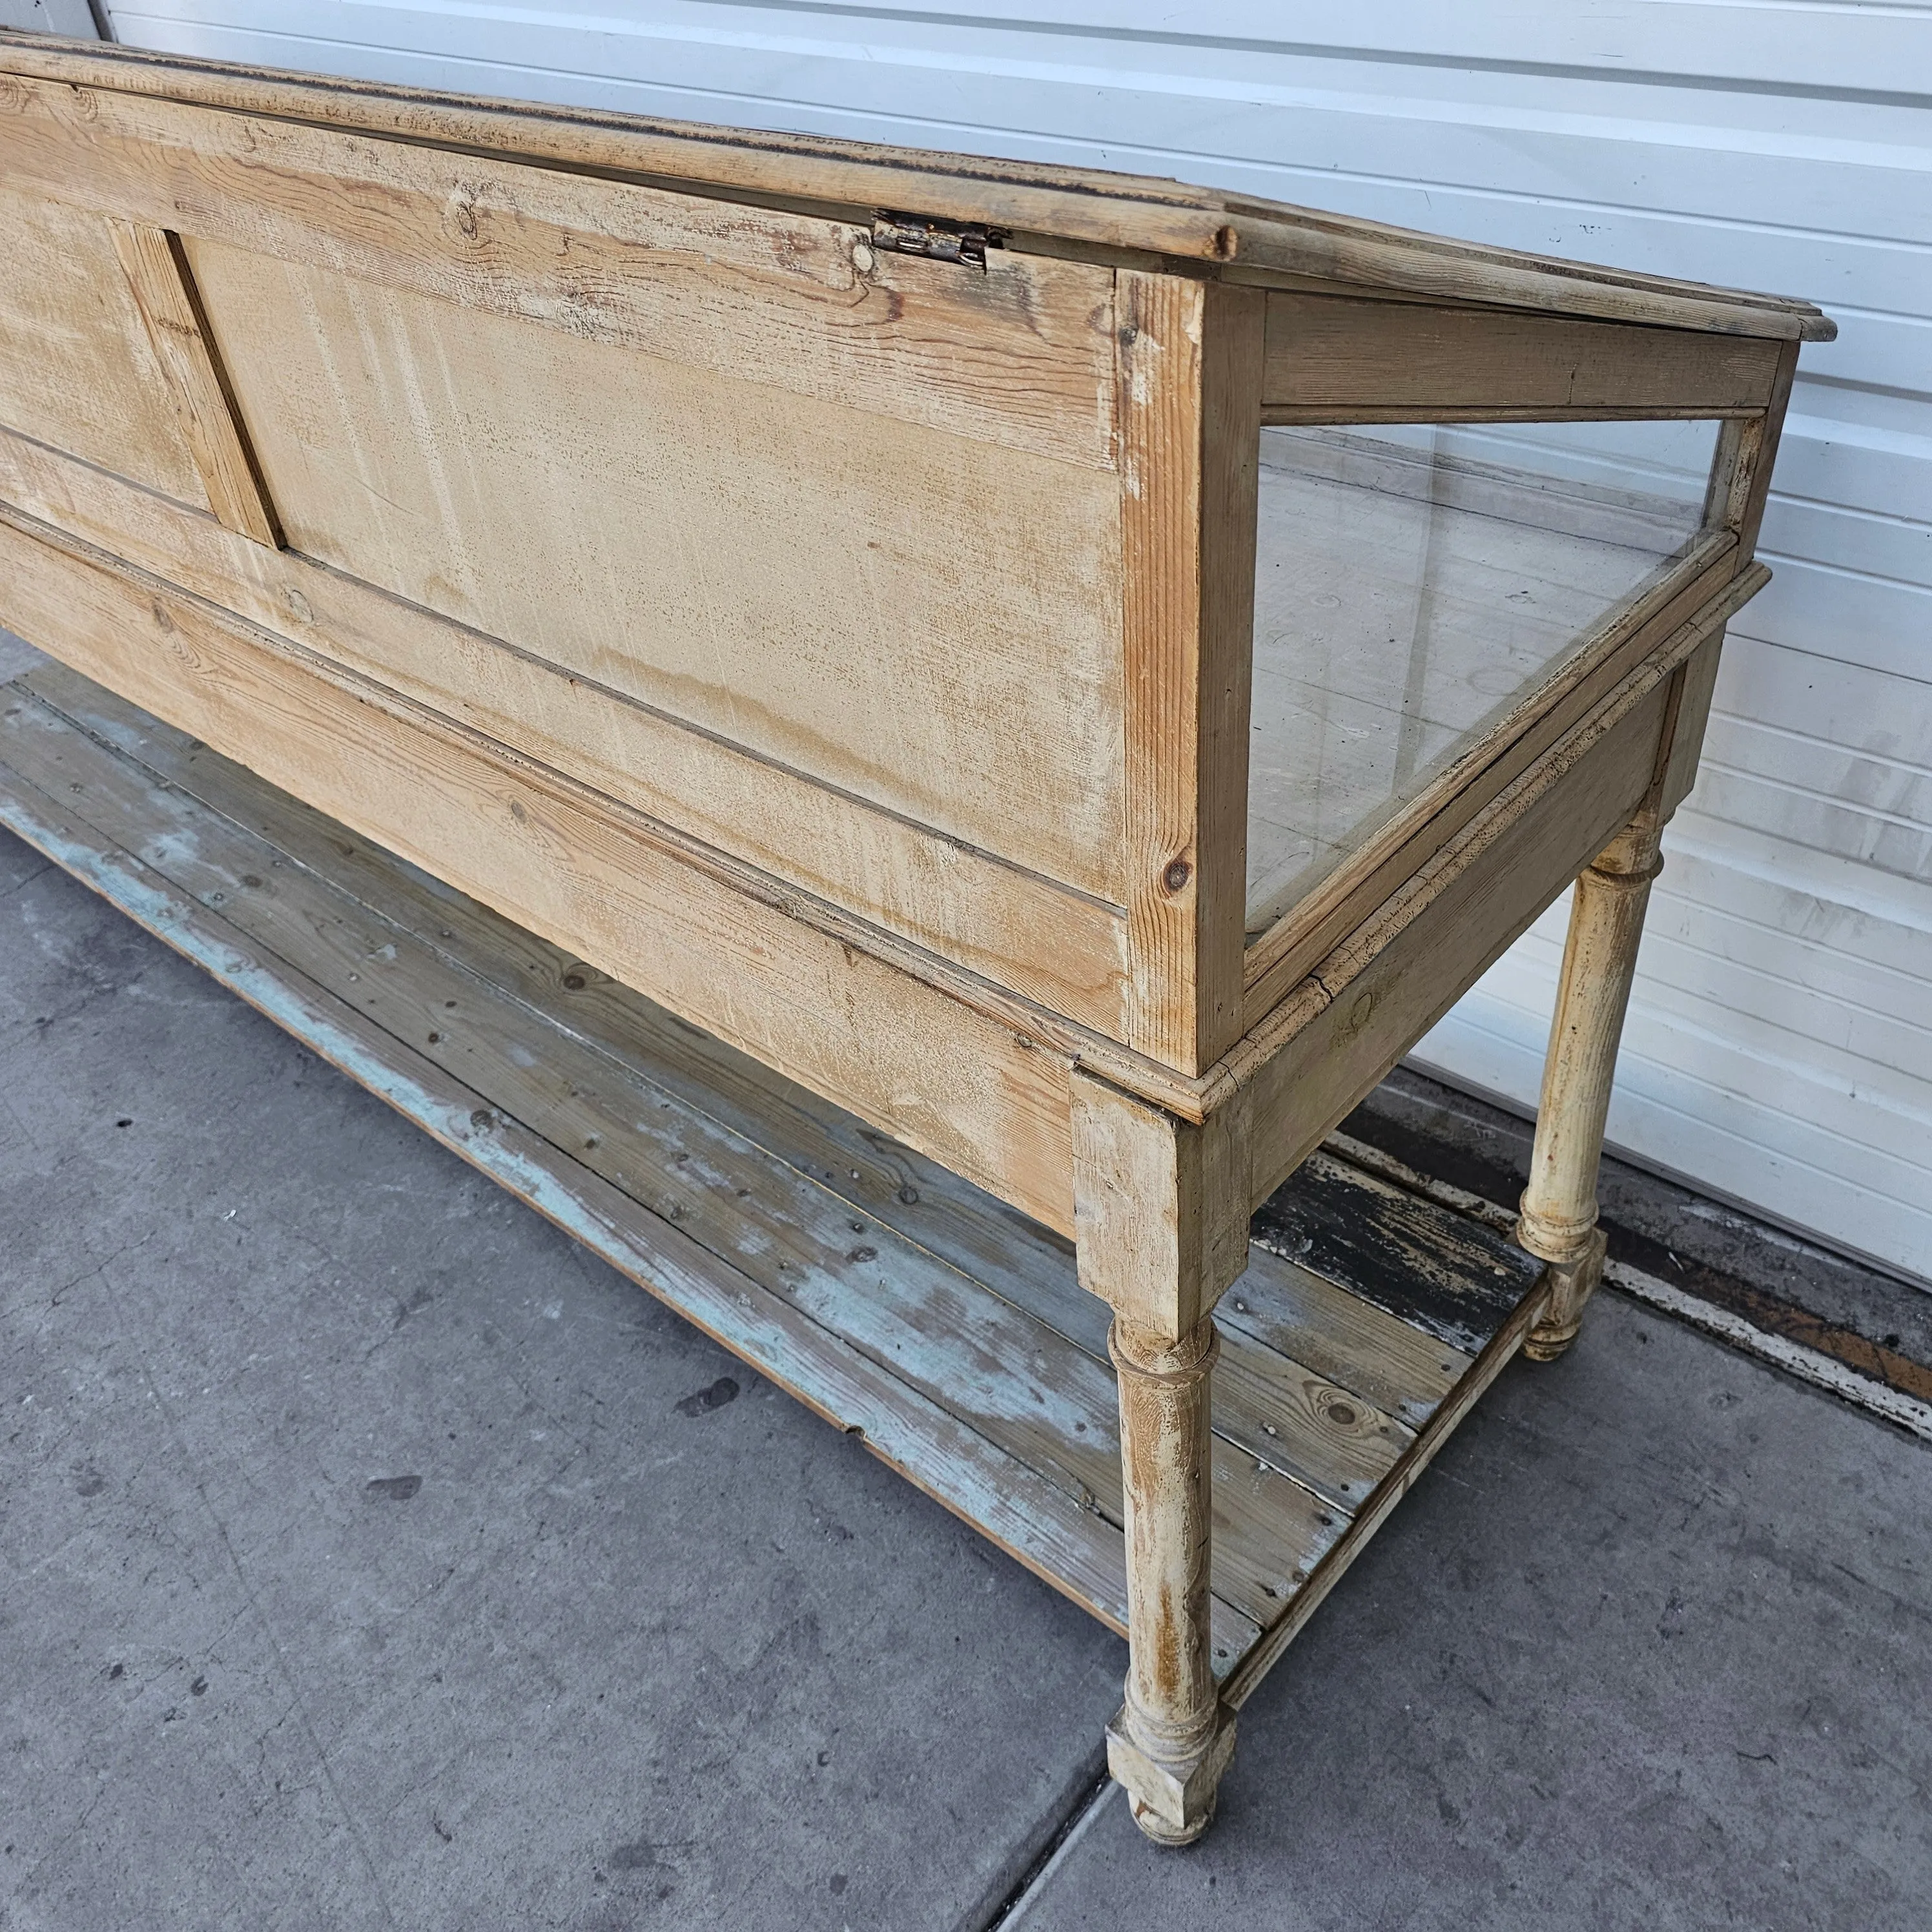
1160	1214
1558	1217
1171	1739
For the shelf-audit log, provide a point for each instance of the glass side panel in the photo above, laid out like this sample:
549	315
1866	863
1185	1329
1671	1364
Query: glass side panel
1412	584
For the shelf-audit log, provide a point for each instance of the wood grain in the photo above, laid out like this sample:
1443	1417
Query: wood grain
1122	212
572	865
787	1230
1020	356
1160	1220
366	960
1296	1344
1060	948
191	365
77	369
1333	358
1190	390
1068	1545
924	621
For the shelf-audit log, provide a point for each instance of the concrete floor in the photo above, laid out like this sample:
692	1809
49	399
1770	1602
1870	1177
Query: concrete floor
370	1556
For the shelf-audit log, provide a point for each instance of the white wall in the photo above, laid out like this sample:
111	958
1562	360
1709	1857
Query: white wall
1780	1045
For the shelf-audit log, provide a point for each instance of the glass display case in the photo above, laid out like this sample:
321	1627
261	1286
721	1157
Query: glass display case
894	739
1417	584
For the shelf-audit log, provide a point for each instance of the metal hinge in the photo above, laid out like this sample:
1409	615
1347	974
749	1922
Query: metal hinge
965	242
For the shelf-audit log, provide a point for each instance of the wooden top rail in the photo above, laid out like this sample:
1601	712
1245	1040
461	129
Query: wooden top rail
1036	203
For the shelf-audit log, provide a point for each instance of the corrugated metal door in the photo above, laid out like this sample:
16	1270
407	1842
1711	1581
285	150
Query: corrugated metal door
1779	1045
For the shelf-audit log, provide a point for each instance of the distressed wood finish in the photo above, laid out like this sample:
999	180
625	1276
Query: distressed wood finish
1158	1209
806	302
164	291
77	369
1146	216
612	887
1190	369
1558	1219
1171	1739
935	1325
1340	358
797	604
792	578
1061	949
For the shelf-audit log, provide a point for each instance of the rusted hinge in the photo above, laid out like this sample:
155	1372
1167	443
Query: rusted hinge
965	242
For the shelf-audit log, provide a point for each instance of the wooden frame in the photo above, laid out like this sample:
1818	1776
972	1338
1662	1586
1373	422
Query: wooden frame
814	586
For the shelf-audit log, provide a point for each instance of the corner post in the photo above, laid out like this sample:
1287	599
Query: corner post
1161	1222
1558	1218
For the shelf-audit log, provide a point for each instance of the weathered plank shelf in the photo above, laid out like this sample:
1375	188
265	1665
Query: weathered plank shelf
895	1299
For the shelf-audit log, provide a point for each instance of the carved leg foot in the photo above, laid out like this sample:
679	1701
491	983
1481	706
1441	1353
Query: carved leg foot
1571	1284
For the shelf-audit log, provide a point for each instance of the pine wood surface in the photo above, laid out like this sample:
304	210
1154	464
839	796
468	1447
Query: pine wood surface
890	1294
164	291
77	366
1060	948
724	949
1336	358
909	615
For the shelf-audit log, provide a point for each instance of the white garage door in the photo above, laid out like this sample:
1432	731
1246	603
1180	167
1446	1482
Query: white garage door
1779	1045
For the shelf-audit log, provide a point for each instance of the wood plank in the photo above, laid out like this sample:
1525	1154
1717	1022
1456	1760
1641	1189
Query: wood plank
77	370
1331	357
1432	1269
922	621
1019	356
1267	1653
1698	684
1061	948
576	867
1190	371
1279	1549
1135	213
1340	1336
1685	604
1069	1547
164	291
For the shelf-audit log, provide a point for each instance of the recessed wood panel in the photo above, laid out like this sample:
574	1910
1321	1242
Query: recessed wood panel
925	620
76	370
1059	947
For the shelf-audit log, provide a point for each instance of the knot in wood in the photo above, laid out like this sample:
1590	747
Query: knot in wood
1178	872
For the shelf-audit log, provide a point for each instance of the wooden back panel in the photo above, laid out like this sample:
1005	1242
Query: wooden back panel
76	368
810	551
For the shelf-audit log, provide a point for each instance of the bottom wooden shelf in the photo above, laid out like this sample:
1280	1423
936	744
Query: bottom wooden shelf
894	1298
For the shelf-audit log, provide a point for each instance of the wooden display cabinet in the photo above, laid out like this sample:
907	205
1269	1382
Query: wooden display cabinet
1060	676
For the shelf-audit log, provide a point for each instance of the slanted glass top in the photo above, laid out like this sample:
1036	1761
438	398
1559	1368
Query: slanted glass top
1412	584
